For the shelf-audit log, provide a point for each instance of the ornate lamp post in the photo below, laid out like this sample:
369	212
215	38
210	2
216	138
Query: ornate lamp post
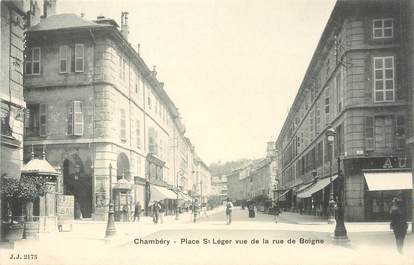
330	136
340	233
110	226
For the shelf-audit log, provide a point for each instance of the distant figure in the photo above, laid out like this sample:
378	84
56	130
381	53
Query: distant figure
252	213
137	211
204	209
78	213
155	212
229	209
398	223
196	208
161	209
276	211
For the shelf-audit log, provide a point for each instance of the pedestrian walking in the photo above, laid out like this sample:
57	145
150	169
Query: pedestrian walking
252	213
196	208
161	208
137	211
276	211
398	223
204	209
155	212
229	209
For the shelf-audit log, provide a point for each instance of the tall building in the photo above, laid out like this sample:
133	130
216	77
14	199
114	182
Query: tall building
356	83
101	111
16	16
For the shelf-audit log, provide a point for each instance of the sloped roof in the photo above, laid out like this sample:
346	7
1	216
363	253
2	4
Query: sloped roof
64	21
39	166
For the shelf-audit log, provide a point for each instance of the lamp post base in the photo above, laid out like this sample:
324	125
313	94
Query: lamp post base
341	240
110	225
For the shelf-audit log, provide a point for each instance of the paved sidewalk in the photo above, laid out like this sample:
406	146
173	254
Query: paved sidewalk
93	232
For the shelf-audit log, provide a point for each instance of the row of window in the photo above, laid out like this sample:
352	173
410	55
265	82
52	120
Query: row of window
381	133
384	91
71	59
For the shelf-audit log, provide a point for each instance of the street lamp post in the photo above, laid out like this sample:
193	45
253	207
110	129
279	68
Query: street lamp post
110	226
176	203
330	136
340	233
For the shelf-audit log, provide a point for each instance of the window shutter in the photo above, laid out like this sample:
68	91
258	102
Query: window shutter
70	119
369	133
400	132
138	134
79	57
151	140
43	119
63	59
77	118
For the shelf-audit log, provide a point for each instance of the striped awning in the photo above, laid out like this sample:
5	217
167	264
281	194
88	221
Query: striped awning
317	186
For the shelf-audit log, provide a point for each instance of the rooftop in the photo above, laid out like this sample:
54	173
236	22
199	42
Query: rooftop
65	21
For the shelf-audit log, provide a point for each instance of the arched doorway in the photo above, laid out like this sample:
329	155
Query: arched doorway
78	182
122	167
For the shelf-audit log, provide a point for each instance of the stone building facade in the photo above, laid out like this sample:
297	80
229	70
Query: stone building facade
16	16
96	105
356	83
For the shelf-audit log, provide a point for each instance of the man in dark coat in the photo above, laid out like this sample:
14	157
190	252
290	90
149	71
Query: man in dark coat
398	223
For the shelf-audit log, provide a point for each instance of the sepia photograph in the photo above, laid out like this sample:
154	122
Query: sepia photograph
207	132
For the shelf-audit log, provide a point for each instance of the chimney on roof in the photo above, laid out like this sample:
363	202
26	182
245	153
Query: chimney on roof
124	25
139	49
34	17
154	71
49	8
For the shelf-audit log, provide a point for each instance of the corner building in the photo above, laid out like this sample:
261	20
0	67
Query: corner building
356	83
100	112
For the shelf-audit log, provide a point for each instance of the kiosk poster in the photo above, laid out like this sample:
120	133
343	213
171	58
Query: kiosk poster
65	205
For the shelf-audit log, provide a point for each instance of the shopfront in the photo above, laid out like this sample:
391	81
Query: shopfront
372	183
382	186
314	197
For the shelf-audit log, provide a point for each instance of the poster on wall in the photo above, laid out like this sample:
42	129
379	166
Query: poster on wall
65	205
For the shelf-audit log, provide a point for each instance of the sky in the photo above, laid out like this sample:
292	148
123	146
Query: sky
232	67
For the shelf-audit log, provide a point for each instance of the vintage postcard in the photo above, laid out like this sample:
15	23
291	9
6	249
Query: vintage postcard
206	132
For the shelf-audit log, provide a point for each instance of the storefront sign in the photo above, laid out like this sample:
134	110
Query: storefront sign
395	162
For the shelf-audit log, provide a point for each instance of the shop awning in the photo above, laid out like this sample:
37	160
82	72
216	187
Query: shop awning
282	197
389	180
319	185
304	187
159	193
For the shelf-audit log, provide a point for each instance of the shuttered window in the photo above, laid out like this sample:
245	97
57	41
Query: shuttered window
43	119
79	58
32	61
70	119
400	132
383	133
77	118
369	133
138	134
152	141
63	59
